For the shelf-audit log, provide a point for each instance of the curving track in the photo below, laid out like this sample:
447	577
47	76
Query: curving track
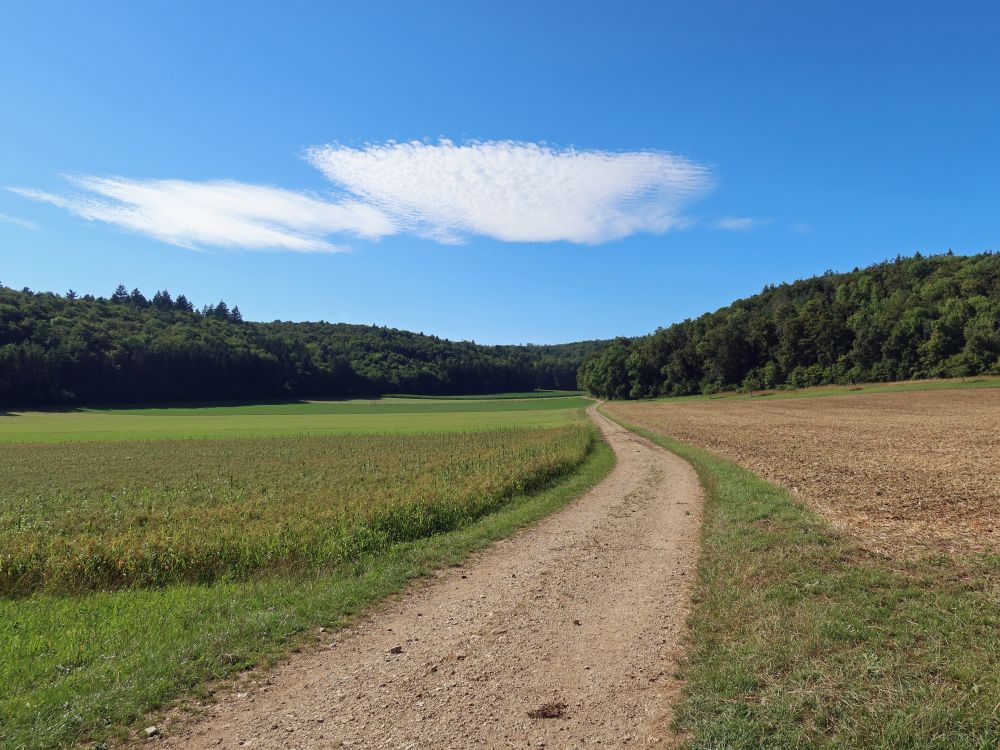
584	609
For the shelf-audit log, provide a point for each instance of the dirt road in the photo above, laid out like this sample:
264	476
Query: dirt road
582	611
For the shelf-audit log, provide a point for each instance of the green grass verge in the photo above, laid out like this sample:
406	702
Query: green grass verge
77	669
800	639
979	381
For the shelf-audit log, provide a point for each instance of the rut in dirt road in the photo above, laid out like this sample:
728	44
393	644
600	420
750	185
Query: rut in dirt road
575	621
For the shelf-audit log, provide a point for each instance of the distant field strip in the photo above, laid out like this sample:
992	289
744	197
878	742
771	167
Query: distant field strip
102	515
371	407
383	416
479	397
821	391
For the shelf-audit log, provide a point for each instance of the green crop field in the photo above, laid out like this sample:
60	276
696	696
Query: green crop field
109	515
387	415
145	551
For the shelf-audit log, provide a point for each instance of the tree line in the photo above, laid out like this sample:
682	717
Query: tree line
916	317
60	349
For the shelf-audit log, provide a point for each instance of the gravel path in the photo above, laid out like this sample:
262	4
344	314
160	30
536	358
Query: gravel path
582	611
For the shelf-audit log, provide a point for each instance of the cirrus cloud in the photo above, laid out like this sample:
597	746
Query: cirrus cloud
18	222
219	213
736	223
506	190
517	192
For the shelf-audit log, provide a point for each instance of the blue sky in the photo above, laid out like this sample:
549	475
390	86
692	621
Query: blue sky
503	172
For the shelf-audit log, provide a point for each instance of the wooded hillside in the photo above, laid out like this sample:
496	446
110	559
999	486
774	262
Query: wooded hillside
897	320
64	349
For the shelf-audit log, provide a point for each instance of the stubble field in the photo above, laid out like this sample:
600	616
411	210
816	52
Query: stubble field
906	473
851	601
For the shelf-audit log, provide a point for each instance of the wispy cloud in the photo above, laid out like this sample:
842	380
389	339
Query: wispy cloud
18	222
736	223
517	192
221	213
506	190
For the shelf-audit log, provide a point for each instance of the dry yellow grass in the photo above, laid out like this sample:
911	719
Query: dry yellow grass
904	472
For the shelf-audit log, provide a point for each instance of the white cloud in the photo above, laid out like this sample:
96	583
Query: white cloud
511	191
736	223
517	192
219	213
18	222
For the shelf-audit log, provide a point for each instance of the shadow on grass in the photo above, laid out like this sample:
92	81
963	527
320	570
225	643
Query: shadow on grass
164	405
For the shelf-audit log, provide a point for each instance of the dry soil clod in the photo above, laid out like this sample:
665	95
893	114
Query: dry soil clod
556	710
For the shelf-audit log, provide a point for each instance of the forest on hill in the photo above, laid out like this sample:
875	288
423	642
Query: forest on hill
915	317
69	349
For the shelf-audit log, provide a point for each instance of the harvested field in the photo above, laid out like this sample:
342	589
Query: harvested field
904	472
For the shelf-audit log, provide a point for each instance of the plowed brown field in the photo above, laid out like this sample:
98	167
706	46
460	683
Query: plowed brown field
904	472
